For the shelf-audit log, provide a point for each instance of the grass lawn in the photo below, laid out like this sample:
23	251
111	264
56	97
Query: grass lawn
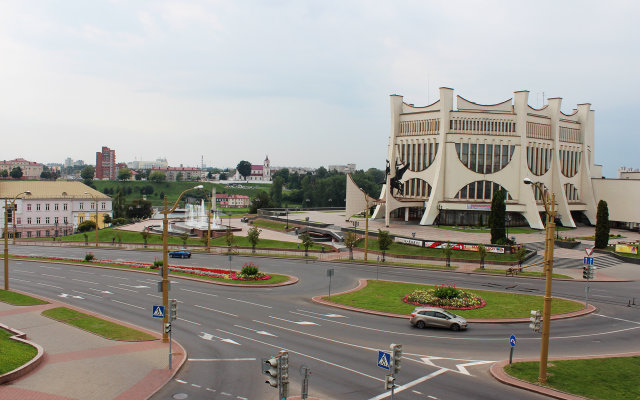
523	273
405	249
616	378
401	264
269	224
100	327
13	354
387	296
18	299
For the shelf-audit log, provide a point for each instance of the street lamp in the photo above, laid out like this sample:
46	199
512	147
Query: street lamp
549	208
286	211
8	205
439	213
165	258
95	198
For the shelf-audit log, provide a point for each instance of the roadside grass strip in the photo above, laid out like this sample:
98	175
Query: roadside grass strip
615	378
18	299
100	327
13	354
405	249
399	264
523	273
387	296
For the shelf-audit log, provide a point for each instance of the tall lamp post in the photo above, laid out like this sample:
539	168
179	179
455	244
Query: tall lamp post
286	211
165	258
549	208
95	199
8	205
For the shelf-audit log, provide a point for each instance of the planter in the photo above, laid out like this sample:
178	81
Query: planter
566	245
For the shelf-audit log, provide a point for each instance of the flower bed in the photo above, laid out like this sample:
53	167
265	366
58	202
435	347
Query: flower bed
458	299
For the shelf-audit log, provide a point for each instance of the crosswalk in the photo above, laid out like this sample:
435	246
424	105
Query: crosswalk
600	261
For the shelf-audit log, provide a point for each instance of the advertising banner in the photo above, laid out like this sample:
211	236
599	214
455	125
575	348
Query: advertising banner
412	242
461	246
626	248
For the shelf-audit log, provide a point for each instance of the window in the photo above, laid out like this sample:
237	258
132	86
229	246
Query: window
47	221
103	205
56	220
38	221
38	207
92	205
81	205
66	220
28	207
28	221
19	221
46	207
472	157
64	206
81	219
55	207
28	234
38	233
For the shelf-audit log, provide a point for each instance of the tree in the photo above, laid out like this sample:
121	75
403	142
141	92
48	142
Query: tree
86	226
384	241
87	174
179	177
306	242
253	236
184	237
261	200
4	173
350	241
602	225
496	218
229	238
244	168
448	250
521	254
124	174
16	173
223	176
157	176
482	252
276	191
145	237
139	209
119	205
106	219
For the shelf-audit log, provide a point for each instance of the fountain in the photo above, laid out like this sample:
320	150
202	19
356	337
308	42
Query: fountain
197	217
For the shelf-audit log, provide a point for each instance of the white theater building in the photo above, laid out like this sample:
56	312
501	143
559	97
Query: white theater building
459	156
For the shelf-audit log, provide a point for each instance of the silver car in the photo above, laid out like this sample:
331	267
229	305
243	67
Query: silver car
433	316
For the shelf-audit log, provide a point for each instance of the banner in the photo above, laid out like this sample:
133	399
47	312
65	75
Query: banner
412	242
626	248
464	247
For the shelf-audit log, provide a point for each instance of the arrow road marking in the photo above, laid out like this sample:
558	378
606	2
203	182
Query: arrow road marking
101	291
88	294
208	336
256	331
411	384
460	367
70	295
463	370
294	322
324	315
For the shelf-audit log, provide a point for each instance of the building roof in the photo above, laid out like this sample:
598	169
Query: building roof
175	169
22	160
49	190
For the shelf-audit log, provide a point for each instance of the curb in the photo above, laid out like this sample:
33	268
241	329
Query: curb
30	365
362	283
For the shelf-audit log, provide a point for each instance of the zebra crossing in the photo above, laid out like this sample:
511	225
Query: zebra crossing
600	260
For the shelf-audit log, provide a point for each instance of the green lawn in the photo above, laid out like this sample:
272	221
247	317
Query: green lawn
616	378
387	296
400	264
106	329
13	354
405	249
523	273
18	299
269	224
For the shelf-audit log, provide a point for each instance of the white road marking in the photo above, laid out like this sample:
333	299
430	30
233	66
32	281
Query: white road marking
248	302
55	276
83	272
619	319
186	320
127	304
21	280
195	291
101	291
432	397
294	322
324	315
218	311
411	384
116	277
64	295
208	336
180	381
211	390
225	394
44	284
45	266
134	286
87	294
194	385
121	288
80	280
256	331
24	272
241	398
221	359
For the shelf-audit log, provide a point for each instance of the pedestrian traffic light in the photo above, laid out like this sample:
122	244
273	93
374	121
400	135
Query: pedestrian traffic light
167	327
389	382
535	319
173	309
585	272
397	355
270	368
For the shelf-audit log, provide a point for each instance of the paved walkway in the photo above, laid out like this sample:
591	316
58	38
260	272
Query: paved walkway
80	365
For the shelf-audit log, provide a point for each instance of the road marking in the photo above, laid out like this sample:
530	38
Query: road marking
101	291
195	291
619	319
121	288
225	394
180	381
186	320
221	359
87	294
324	315
208	336
432	397
64	295
80	280
218	311
194	385
116	277
24	272
44	284
294	322
411	384
257	331
45	266
248	302
55	276
158	296
83	272
127	304
21	280
134	286
211	390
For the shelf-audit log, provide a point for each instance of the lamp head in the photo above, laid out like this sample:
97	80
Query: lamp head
27	192
199	187
527	181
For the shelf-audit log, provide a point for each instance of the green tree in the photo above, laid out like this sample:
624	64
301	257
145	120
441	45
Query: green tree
157	176
106	219
223	176
87	174
16	173
119	204
4	173
384	241
184	237
87	226
244	168
350	240
179	177
482	252
139	209
229	238
124	174
448	250
261	200
602	225
145	237
521	254
253	236
276	191
496	218
306	242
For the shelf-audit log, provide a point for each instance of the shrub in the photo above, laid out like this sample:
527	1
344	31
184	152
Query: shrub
446	292
249	269
88	257
156	264
86	226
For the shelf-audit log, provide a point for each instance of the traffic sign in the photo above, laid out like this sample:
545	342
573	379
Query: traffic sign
512	340
384	360
588	261
589	251
158	311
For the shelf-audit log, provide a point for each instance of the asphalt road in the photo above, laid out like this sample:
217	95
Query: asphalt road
227	330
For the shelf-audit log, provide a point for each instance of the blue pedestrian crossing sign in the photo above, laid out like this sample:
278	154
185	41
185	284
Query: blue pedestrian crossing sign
588	261
512	340
384	360
158	311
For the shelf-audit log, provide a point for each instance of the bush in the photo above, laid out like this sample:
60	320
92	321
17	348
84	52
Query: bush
446	292
119	221
86	226
156	264
88	257
249	269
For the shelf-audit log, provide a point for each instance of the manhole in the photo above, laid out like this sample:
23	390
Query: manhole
180	396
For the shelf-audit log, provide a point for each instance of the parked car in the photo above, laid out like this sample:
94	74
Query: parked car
422	317
182	253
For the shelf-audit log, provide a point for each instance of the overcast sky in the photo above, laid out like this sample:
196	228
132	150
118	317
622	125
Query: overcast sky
306	82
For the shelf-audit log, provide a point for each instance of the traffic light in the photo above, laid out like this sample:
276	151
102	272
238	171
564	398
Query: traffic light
284	374
585	272
271	368
173	309
396	356
167	327
389	382
535	319
592	272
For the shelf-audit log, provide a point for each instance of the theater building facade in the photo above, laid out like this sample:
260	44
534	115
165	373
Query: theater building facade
455	158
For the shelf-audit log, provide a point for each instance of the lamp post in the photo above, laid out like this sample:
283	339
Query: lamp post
165	258
95	198
286	211
439	213
7	205
549	208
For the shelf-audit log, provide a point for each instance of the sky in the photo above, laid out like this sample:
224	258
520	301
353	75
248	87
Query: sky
305	82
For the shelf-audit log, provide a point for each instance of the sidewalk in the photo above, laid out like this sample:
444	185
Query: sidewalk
80	365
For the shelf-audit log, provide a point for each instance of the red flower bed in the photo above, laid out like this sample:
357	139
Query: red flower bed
415	303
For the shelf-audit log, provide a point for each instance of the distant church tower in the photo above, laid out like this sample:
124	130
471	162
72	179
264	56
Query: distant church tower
266	170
